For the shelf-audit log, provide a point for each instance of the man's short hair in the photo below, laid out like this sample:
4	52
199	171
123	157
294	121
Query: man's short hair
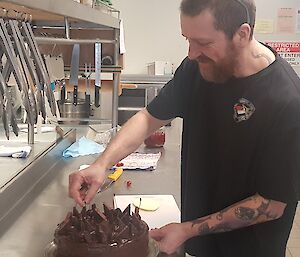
229	14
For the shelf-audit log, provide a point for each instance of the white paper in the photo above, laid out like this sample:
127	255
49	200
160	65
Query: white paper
55	66
286	20
141	161
122	38
264	26
15	151
168	211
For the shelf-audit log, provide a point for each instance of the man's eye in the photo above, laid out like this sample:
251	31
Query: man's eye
204	44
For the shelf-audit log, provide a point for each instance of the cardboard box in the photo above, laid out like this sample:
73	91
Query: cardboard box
160	68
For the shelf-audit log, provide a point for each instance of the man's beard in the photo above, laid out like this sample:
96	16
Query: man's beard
217	72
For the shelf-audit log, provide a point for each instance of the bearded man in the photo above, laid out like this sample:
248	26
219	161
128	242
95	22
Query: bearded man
240	105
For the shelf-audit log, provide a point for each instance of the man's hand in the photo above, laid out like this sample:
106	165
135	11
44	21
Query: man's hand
170	237
84	184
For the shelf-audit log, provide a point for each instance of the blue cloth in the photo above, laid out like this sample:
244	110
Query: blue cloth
83	146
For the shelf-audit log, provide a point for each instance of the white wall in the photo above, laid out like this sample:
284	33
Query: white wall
152	33
152	30
268	9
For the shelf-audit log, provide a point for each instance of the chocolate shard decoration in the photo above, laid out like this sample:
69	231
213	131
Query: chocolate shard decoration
82	226
99	215
101	235
88	225
106	209
91	226
118	212
75	222
74	234
88	237
133	230
124	233
136	220
127	210
83	213
136	210
65	225
76	213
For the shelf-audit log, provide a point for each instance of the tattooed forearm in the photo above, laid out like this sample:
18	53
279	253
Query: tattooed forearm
247	212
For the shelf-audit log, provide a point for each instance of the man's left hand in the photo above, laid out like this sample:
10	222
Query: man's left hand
170	237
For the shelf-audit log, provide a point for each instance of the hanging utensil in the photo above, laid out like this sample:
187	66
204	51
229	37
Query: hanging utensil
87	89
74	71
12	59
40	65
62	91
5	108
35	85
97	73
25	65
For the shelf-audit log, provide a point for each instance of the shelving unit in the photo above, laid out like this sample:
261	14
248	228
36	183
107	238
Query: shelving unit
60	24
137	92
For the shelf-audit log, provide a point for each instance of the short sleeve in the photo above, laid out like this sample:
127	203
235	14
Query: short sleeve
278	176
172	100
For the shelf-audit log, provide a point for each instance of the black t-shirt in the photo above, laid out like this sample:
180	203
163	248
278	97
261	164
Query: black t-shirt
239	138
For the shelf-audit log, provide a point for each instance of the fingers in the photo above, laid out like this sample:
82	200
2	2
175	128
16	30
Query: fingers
161	240
166	239
156	234
91	192
75	182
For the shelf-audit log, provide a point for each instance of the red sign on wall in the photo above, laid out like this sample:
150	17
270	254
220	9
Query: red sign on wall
290	51
285	46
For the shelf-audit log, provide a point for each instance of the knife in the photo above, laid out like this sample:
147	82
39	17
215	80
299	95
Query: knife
97	73
87	88
111	178
74	71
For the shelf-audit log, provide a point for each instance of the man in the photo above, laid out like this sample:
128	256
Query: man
240	105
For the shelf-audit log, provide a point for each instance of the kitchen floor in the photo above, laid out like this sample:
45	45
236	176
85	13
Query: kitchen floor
293	249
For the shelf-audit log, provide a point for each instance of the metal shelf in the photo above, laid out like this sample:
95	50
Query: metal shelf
56	10
73	16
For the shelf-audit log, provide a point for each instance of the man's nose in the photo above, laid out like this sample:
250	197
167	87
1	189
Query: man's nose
193	52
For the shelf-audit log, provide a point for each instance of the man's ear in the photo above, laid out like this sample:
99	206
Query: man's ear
242	35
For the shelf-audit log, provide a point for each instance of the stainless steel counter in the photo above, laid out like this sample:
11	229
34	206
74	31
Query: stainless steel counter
10	167
34	228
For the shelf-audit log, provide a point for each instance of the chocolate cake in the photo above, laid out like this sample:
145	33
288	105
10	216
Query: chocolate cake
91	233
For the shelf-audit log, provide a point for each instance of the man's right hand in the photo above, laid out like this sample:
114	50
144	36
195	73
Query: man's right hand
84	184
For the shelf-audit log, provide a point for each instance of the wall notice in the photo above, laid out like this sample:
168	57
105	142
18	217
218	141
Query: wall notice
298	21
290	51
286	20
264	26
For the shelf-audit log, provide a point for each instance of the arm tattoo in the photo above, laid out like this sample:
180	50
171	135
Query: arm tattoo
203	229
219	216
201	220
244	216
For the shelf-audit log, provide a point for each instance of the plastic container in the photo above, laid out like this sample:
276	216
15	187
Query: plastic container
157	139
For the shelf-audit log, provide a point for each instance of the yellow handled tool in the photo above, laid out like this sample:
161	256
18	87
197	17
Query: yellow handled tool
116	174
111	178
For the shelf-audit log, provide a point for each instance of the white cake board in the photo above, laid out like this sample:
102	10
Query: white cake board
168	211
